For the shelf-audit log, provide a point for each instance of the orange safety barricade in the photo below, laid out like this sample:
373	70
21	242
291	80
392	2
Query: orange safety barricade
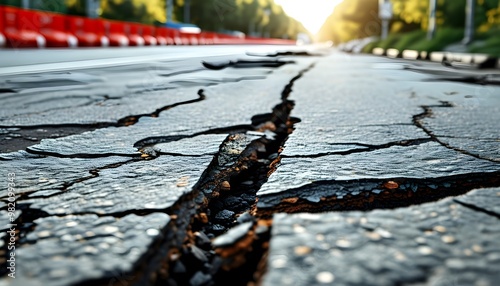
31	28
2	37
115	32
185	38
134	34
89	32
148	33
20	30
177	37
193	39
52	27
161	35
202	38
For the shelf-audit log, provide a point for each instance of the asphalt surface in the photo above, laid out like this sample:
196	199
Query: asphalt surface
292	169
37	60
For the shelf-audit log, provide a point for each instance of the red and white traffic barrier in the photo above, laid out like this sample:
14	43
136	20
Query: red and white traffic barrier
23	28
19	30
148	33
87	32
53	28
115	32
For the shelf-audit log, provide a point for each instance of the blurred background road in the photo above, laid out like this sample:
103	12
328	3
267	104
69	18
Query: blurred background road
29	60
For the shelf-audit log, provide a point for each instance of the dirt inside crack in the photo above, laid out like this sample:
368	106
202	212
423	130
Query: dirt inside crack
369	194
227	197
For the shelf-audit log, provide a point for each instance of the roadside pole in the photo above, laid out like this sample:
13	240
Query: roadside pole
469	22
431	30
187	11
91	7
170	10
385	14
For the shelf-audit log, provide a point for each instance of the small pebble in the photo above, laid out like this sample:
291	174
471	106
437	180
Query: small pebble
203	218
391	185
477	248
200	278
302	250
224	215
152	232
297	228
420	240
198	254
279	262
225	186
448	239
399	256
325	277
179	267
245	217
343	243
425	250
218	228
202	240
247	183
273	156
373	236
440	229
44	233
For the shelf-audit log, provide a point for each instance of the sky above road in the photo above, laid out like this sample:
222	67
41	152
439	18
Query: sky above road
311	13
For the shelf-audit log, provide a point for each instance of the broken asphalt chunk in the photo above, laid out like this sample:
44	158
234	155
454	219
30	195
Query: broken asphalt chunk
459	245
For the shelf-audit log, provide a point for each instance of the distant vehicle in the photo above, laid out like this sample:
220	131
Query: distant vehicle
184	27
237	34
303	39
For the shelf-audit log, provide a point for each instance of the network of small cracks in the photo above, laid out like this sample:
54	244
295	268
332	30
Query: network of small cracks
417	121
394	193
389	196
131	119
365	148
28	215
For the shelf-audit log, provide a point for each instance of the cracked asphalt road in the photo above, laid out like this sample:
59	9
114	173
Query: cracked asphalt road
289	169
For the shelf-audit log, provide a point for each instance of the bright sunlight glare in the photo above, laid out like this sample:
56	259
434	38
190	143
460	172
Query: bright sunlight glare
312	14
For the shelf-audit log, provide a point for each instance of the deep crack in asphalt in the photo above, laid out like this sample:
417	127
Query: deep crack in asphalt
227	191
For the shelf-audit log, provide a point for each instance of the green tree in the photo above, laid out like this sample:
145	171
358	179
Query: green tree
351	19
76	7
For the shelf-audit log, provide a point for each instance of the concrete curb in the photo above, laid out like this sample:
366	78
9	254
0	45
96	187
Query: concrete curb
481	60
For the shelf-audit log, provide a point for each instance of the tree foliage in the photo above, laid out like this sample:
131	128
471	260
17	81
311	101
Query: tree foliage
142	11
252	17
351	19
358	18
58	6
